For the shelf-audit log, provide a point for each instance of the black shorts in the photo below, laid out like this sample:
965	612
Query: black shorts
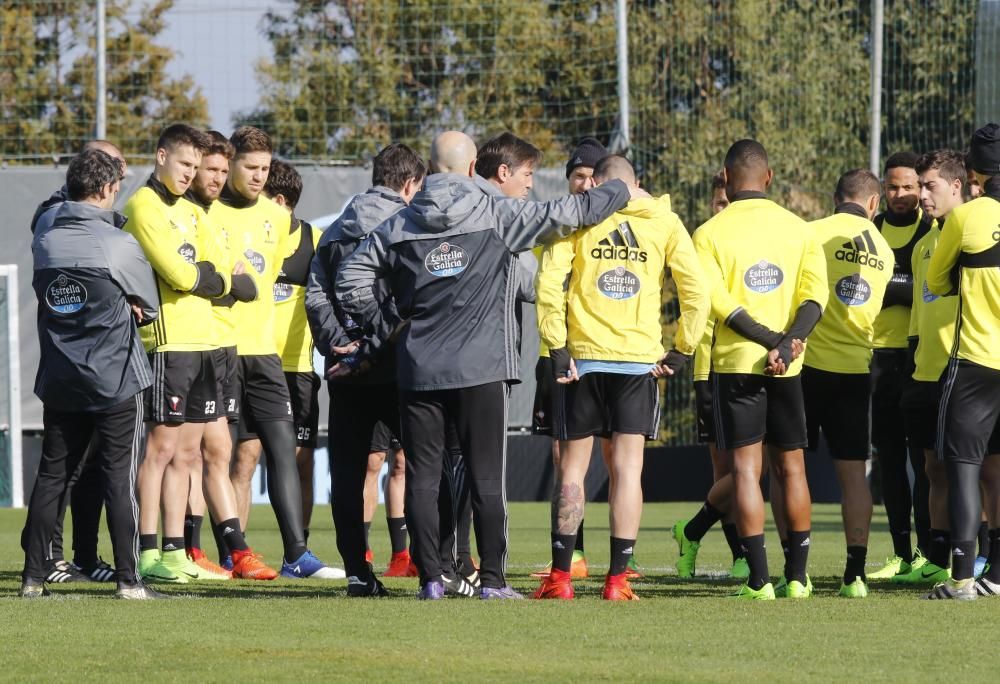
921	404
749	408
303	388
384	439
227	365
837	404
545	388
186	388
263	393
600	403
888	378
970	412
703	410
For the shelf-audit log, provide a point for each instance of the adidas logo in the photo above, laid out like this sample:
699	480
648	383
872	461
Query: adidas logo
169	547
558	545
805	542
927	254
627	551
620	244
228	530
355	580
860	250
957	552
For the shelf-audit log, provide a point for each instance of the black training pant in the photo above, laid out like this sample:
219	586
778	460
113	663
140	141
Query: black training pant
86	499
480	417
454	505
116	434
355	410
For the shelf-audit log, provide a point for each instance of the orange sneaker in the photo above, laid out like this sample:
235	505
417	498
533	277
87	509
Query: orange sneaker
369	556
400	565
617	588
558	585
199	558
248	565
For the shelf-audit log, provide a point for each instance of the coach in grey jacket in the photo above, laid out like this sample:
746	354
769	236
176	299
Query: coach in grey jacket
93	284
450	260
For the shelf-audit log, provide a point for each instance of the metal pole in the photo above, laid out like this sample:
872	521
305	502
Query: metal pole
14	386
622	139
102	86
875	150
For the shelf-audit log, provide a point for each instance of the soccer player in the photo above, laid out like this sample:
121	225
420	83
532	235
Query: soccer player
931	337
604	338
93	286
771	290
360	364
449	260
970	398
835	381
902	224
263	233
718	504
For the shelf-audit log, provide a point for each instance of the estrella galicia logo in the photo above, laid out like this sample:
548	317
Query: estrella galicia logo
763	277
927	295
282	292
65	295
256	260
188	251
853	290
446	260
618	283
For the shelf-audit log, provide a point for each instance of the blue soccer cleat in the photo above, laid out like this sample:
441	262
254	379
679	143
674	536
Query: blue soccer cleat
308	566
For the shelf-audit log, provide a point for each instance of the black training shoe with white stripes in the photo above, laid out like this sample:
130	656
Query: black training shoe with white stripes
458	585
61	571
984	587
99	571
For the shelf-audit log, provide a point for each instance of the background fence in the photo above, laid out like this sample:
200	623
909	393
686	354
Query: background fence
335	81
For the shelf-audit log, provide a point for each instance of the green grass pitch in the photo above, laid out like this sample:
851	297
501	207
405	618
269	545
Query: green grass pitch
679	631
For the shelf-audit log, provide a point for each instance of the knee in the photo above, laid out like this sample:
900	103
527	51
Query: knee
375	461
398	468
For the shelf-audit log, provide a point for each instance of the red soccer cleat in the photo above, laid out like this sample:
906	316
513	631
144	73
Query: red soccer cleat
248	565
401	565
617	588
558	585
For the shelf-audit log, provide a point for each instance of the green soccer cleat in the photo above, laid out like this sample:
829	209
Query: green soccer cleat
178	563
928	574
765	593
794	589
893	566
781	587
856	589
152	568
919	561
688	550
740	569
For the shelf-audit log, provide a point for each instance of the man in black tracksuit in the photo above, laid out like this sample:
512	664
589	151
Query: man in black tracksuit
93	284
450	260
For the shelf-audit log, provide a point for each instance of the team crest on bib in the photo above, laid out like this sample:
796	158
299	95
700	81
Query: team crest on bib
927	295
853	290
188	251
256	260
447	260
65	295
282	292
763	277
618	283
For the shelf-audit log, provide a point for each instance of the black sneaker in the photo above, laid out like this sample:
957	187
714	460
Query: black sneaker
139	592
31	589
358	587
458	585
62	571
99	571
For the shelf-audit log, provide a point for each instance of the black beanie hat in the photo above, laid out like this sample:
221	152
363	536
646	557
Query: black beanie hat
984	150
587	153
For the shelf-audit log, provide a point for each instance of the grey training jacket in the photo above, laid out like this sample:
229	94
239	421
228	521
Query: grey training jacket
450	259
84	269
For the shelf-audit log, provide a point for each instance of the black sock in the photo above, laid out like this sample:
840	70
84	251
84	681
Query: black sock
229	530
192	531
397	534
901	544
785	552
983	539
756	554
173	543
621	552
305	536
994	558
368	528
963	559
733	539
702	522
856	557
147	542
562	551
220	542
798	555
940	552
579	538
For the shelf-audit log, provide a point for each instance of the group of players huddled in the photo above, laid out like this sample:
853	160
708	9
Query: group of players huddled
197	309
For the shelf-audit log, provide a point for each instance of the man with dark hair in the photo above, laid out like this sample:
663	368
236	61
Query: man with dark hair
449	261
931	336
902	224
511	161
835	381
600	294
970	399
93	286
770	294
262	229
360	365
719	199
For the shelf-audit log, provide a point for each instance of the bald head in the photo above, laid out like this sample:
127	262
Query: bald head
614	166
453	152
109	148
